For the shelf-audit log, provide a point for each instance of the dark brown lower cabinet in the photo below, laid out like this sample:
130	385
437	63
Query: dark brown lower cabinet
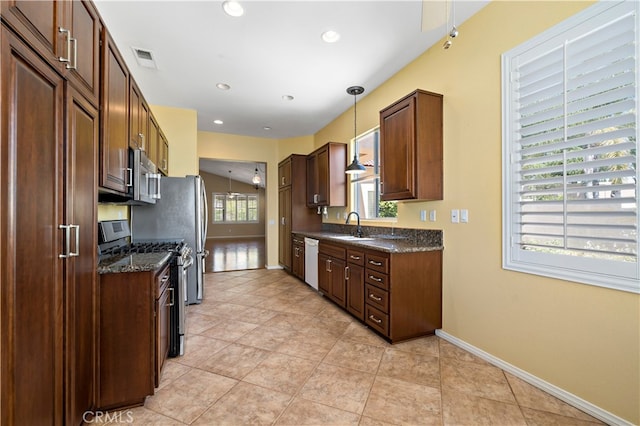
133	336
47	242
354	277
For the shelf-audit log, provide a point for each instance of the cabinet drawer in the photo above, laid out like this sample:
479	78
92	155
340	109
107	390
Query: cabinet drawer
333	251
378	298
377	279
377	319
355	256
378	263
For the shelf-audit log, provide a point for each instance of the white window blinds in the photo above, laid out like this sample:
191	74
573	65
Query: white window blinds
570	100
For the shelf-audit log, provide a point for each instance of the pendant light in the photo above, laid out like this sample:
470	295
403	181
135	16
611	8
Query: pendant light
454	31
231	194
356	166
257	180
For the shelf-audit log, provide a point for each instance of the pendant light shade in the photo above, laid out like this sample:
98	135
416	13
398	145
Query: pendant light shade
356	166
257	180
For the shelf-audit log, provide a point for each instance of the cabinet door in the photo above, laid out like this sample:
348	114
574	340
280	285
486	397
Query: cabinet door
355	290
82	184
84	23
312	180
322	177
163	145
324	276
38	22
297	257
115	120
397	144
153	150
31	190
338	284
135	102
284	173
163	314
284	214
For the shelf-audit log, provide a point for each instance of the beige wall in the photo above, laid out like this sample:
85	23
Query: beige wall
180	127
583	339
243	148
219	184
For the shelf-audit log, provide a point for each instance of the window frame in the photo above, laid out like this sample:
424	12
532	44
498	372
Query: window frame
248	197
593	271
355	179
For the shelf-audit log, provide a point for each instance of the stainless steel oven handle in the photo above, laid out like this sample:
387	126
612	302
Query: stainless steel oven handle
188	262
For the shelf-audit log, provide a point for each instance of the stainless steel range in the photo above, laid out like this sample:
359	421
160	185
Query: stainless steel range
114	237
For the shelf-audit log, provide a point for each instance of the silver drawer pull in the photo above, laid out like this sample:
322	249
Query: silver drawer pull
377	299
354	257
373	262
372	318
375	279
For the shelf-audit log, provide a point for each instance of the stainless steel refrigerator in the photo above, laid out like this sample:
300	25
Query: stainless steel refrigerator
180	213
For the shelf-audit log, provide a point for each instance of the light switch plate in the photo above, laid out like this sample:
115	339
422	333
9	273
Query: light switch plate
464	216
455	215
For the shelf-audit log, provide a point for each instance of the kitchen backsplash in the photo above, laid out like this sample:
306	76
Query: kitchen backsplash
430	237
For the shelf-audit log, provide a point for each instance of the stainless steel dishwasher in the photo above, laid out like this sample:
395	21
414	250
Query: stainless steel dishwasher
311	262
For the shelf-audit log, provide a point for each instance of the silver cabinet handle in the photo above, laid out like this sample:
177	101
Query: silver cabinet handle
328	265
283	182
282	221
74	64
130	176
68	58
67	236
173	301
315	198
377	299
375	279
373	262
77	232
354	257
371	317
346	273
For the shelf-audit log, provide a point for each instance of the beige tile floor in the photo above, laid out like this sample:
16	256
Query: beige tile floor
264	348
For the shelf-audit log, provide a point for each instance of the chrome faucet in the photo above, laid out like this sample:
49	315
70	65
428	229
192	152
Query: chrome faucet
358	228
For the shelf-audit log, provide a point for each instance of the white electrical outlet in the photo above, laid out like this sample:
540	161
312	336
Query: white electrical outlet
464	216
423	215
432	215
455	216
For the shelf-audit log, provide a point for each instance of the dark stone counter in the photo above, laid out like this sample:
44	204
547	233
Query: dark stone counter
136	262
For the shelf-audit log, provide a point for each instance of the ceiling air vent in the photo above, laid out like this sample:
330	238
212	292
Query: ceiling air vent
144	57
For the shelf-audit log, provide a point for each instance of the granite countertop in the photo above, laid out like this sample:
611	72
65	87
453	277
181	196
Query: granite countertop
381	242
136	262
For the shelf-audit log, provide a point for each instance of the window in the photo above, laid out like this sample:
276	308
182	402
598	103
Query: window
235	208
365	187
570	194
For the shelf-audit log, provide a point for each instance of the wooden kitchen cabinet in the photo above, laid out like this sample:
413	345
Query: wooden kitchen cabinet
133	336
153	147
163	147
354	277
326	177
114	139
332	272
297	259
292	210
66	34
48	192
411	148
138	119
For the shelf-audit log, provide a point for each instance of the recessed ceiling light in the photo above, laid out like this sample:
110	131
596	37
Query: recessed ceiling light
287	97
233	8
223	86
218	122
330	36
267	128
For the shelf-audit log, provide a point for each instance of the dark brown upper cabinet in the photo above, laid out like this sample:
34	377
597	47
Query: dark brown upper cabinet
411	148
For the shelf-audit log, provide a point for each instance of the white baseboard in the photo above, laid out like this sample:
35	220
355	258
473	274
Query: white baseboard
559	393
273	267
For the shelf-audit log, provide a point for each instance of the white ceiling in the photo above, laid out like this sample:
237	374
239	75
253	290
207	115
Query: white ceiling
241	171
273	50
